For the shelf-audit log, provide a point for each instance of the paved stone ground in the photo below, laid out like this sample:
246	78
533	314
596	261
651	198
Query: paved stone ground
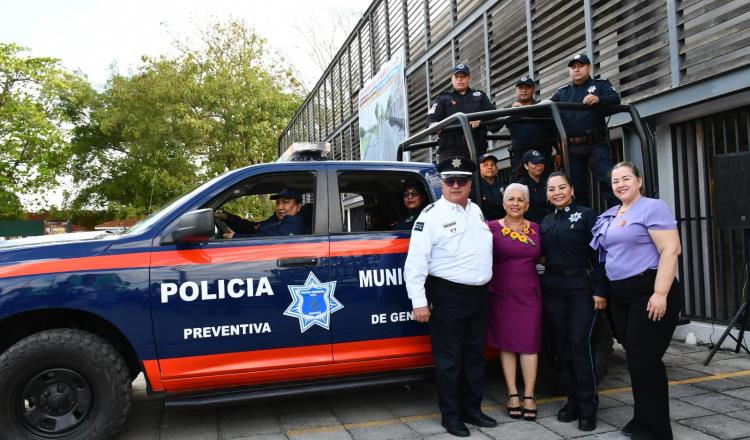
711	402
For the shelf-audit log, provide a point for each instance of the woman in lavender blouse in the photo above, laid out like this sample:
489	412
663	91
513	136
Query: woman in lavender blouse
639	243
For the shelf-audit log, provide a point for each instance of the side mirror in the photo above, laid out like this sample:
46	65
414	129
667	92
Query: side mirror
195	227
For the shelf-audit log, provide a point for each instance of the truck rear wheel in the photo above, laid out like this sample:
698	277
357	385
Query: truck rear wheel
62	384
549	362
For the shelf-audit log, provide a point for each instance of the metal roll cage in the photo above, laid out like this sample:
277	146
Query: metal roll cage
460	121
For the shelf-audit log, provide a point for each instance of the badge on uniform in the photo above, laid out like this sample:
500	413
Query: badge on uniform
453	102
477	93
575	217
591	89
418	226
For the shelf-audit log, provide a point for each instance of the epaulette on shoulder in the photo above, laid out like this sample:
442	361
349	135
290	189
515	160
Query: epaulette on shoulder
428	207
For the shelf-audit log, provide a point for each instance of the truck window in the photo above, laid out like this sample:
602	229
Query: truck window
376	201
269	205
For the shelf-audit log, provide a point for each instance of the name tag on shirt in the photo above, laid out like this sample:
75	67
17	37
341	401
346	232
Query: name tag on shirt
453	228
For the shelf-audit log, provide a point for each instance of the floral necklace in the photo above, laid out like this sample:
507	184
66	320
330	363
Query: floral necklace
524	235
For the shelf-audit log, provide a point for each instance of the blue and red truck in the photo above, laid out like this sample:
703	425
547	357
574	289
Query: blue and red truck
211	321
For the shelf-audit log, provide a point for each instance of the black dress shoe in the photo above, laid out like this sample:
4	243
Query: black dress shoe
628	429
587	423
568	413
483	420
454	427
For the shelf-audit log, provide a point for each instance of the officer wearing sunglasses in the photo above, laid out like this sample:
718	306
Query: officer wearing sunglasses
447	270
414	199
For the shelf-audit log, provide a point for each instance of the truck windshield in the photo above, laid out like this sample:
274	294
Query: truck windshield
166	209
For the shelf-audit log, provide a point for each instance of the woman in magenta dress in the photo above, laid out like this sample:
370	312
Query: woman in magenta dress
515	299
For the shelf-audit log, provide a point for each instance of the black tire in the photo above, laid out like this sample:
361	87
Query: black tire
62	384
549	364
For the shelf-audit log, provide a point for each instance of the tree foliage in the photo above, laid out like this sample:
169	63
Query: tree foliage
216	105
39	102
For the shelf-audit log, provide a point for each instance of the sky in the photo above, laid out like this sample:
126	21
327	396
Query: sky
96	36
92	36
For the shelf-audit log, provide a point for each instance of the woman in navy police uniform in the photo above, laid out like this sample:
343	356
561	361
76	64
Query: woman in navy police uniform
573	294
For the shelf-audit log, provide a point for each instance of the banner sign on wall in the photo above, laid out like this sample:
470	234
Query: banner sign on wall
383	112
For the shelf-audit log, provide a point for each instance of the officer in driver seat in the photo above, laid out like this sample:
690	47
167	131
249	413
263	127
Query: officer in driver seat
285	220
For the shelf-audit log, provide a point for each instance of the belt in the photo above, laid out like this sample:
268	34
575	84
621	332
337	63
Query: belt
587	139
563	272
463	288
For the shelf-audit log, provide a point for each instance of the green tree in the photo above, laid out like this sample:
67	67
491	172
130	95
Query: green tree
179	120
39	102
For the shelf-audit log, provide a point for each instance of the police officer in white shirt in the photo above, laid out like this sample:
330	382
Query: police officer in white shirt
446	272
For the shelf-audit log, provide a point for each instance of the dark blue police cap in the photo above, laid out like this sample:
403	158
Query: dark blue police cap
288	193
486	156
532	156
461	68
579	58
526	80
456	166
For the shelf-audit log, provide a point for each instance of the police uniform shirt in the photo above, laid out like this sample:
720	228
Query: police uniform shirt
287	225
272	226
451	102
566	234
448	242
579	123
531	134
492	199
538	206
406	222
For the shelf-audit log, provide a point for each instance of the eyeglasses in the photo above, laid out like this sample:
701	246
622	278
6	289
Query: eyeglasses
452	181
411	194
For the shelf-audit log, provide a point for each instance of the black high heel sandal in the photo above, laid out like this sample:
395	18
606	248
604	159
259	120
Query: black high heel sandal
529	414
514	412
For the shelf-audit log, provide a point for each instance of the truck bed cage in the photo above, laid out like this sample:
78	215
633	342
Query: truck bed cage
490	118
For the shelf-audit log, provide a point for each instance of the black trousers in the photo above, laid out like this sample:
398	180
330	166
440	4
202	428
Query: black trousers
598	159
569	308
458	323
645	342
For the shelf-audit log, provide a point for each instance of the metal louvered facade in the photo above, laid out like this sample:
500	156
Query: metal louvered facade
683	63
645	47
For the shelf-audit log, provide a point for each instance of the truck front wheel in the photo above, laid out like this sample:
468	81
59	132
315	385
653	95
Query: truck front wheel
62	384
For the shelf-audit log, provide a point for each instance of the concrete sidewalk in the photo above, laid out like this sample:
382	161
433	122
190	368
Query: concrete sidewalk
707	402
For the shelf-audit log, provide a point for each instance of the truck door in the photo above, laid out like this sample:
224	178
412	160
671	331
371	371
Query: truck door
251	308
367	260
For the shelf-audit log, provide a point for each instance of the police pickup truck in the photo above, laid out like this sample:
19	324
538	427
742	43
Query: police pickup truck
210	320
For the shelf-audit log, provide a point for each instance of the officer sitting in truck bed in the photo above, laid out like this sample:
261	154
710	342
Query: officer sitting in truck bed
286	219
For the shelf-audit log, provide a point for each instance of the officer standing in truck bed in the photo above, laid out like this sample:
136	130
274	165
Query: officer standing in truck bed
587	130
460	98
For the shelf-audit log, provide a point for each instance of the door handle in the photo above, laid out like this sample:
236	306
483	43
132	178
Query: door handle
296	262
